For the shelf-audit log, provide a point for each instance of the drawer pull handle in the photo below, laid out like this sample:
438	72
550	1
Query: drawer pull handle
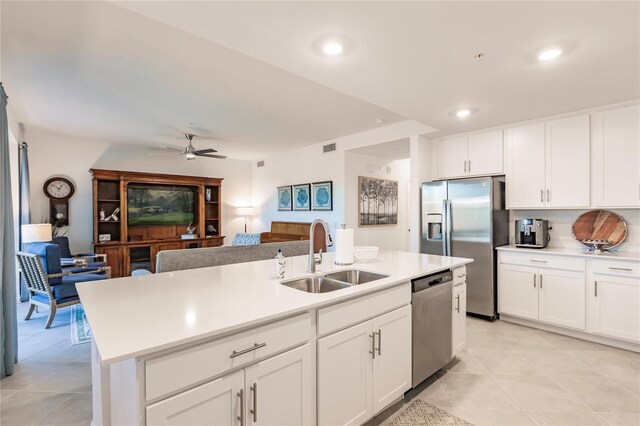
246	351
241	416
537	261
254	410
462	275
620	269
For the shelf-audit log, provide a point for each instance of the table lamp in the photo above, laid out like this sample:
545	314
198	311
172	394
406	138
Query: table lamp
36	232
244	211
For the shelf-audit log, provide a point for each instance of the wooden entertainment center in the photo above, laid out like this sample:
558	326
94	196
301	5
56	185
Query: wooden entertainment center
135	247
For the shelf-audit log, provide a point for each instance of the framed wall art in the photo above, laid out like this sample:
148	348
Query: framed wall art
285	199
302	197
322	196
377	202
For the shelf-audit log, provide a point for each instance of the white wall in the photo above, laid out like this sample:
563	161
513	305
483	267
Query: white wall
55	154
309	164
385	237
561	221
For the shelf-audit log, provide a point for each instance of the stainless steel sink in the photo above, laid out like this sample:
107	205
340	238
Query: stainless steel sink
355	276
316	284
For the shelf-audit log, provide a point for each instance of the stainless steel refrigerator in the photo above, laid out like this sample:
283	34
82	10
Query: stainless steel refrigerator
467	218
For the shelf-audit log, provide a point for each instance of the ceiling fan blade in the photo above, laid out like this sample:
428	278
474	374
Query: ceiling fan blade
165	153
212	156
172	148
205	151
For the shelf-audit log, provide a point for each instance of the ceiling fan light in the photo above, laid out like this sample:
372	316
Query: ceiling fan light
190	156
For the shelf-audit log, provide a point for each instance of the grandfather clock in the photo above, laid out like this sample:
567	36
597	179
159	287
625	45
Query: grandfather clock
59	190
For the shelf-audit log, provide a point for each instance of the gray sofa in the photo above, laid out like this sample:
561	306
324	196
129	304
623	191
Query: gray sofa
178	260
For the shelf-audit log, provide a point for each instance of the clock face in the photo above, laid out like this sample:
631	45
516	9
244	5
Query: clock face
59	188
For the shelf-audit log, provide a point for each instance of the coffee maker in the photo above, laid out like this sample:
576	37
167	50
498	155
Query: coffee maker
532	233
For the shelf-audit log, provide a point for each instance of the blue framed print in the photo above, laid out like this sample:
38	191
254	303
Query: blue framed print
285	200
302	197
322	196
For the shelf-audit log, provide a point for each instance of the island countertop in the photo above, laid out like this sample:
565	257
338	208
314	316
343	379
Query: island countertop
137	316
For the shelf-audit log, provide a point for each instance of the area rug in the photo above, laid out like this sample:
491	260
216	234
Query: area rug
423	413
80	329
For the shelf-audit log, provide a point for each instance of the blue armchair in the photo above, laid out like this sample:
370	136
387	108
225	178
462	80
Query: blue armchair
48	285
65	254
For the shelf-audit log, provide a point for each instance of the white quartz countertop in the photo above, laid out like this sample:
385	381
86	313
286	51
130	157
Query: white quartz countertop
632	256
137	316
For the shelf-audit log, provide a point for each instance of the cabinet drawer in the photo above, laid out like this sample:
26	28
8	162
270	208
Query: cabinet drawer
351	312
459	275
194	365
543	261
625	269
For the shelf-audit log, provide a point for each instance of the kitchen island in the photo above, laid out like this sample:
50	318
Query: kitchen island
170	348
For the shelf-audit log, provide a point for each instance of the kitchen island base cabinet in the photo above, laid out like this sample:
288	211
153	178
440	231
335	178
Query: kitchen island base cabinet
363	369
276	391
459	320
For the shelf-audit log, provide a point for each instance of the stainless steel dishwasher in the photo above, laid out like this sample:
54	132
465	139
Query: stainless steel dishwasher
431	311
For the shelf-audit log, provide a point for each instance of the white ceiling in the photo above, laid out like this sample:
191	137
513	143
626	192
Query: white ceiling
392	150
250	73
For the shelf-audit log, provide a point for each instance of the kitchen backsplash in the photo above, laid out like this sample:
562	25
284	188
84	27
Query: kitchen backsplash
561	221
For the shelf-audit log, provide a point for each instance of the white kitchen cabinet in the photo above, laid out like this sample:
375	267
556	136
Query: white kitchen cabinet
345	376
525	172
279	390
473	155
486	153
616	158
562	297
613	307
459	319
364	368
214	403
392	361
518	291
567	162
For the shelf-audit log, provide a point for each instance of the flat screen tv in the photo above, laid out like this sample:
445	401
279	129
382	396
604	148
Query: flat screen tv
160	205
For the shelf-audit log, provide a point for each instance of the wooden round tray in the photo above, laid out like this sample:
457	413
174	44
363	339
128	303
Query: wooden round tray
600	225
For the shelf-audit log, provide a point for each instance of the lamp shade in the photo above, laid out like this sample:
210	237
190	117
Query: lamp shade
244	211
36	232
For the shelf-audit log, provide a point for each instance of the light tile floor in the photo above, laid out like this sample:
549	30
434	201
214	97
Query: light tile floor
52	381
514	375
508	375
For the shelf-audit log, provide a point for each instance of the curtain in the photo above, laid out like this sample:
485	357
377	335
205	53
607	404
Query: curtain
8	318
25	208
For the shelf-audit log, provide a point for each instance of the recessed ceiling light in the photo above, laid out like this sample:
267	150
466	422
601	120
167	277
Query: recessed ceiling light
549	54
462	113
332	48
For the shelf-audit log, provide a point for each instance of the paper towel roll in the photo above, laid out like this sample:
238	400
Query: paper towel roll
344	247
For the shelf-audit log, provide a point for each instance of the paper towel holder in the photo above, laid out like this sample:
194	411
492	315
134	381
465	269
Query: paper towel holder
342	226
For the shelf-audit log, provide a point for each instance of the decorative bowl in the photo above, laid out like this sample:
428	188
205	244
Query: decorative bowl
365	253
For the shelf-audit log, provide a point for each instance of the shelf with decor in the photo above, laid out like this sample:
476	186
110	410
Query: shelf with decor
153	212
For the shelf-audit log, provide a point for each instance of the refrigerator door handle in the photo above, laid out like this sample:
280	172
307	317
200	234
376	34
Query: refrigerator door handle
447	221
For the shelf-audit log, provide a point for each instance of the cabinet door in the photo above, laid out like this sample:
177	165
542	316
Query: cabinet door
280	389
459	323
613	307
452	157
392	362
485	153
568	162
562	298
114	259
214	403
345	376
525	157
616	158
518	291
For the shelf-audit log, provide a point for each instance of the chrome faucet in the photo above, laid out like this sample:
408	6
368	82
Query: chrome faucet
313	261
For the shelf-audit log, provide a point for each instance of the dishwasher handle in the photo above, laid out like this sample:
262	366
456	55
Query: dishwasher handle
426	282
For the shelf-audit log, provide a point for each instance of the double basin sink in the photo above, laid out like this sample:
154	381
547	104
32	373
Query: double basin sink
333	281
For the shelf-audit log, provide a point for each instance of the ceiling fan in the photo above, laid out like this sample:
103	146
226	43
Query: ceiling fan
191	153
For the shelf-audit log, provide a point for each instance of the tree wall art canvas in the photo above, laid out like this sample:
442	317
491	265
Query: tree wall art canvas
378	202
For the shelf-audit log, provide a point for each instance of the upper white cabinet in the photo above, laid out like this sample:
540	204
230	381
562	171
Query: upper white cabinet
470	155
616	158
525	157
567	162
548	164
